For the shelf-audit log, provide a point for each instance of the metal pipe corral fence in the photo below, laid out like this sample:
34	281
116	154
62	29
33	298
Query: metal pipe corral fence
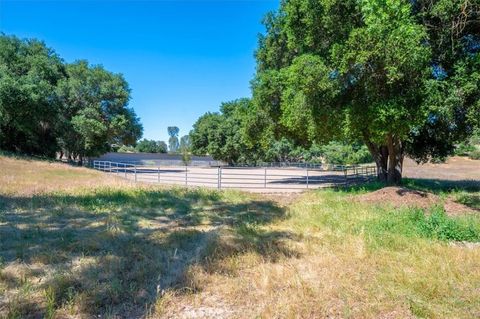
242	177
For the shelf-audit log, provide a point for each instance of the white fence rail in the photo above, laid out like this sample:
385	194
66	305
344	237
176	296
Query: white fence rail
255	178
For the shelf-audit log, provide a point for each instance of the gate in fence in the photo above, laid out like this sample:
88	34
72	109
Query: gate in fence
256	178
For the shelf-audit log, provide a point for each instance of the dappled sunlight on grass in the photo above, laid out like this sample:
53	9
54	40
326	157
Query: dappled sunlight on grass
131	251
112	250
343	258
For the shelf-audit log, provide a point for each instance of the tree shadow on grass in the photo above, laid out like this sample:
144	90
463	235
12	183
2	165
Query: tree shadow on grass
111	252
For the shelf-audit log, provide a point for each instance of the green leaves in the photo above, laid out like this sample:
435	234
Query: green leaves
48	106
311	89
151	146
28	106
94	105
222	135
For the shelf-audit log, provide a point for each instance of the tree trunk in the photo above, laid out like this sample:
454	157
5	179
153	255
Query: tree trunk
388	159
380	156
395	160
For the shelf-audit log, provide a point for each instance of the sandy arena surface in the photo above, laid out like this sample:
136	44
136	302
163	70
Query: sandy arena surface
273	180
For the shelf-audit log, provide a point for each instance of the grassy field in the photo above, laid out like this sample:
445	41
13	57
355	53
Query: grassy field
79	244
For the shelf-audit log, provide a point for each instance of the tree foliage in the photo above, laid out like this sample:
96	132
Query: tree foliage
49	106
29	74
151	146
221	134
94	111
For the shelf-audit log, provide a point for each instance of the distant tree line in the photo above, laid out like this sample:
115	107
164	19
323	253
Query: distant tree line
224	135
48	106
151	146
402	77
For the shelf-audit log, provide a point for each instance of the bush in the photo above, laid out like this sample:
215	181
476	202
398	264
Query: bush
464	149
334	152
126	149
475	155
283	150
343	153
470	148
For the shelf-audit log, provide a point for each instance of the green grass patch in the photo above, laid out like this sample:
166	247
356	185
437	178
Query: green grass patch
413	222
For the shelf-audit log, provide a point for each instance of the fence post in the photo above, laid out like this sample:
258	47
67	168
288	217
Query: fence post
135	171
116	171
345	171
265	179
158	169
125	170
307	176
219	175
186	175
109	167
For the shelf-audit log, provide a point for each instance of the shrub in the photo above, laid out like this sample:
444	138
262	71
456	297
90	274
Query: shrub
126	149
343	153
151	146
475	155
463	149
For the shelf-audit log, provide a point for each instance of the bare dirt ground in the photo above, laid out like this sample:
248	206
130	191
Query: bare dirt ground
405	197
455	169
457	173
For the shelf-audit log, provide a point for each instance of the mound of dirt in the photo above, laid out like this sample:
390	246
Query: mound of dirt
404	197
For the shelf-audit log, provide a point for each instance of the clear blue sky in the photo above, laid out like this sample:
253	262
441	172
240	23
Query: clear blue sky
181	58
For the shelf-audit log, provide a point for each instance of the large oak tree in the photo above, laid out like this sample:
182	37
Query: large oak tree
403	76
49	106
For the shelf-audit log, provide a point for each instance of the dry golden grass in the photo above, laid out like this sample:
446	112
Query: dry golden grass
24	177
79	244
329	267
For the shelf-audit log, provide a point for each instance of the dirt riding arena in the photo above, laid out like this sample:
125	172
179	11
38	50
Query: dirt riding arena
256	179
282	179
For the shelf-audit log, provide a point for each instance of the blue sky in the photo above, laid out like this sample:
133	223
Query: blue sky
181	58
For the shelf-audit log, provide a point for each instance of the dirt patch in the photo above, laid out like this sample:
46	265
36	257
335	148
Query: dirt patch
456	168
405	197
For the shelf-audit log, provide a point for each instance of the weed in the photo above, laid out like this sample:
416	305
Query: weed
413	222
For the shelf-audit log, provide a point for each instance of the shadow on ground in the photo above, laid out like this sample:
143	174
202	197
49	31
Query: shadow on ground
111	252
